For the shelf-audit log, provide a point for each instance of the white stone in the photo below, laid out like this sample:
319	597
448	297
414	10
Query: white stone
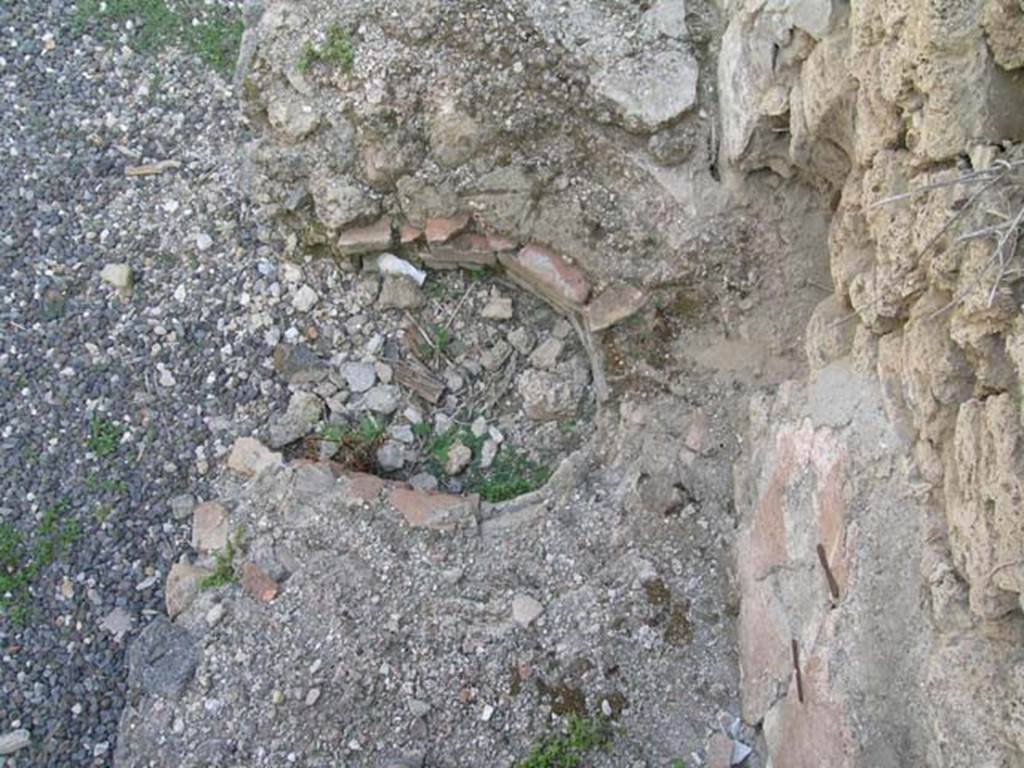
117	275
203	241
389	264
305	299
525	610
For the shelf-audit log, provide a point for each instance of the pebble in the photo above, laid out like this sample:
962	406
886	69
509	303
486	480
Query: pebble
522	340
117	275
391	456
215	614
497	308
384	398
312	696
459	457
305	299
203	241
359	376
546	355
12	741
525	610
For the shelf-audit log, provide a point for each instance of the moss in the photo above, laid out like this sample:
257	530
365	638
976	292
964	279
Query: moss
214	34
338	50
569	749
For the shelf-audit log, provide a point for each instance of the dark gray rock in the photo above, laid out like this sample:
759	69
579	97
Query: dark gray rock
162	660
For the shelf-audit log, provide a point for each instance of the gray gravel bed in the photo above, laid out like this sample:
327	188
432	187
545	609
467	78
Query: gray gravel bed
158	375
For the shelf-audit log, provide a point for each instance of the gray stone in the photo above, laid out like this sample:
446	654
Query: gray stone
412	760
303	412
496	356
546	396
402	433
651	91
525	610
546	355
488	452
399	293
181	506
13	741
359	376
522	340
162	660
118	622
383	398
391	456
423	481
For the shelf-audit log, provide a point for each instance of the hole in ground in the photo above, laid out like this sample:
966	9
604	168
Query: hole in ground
468	384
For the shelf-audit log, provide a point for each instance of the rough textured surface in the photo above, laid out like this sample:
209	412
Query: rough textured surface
425	624
934	320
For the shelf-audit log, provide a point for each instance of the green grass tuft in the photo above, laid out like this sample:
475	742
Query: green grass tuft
105	437
22	561
338	50
215	35
568	750
224	565
512	474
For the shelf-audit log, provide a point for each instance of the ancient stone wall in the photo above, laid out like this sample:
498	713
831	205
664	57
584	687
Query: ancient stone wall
908	117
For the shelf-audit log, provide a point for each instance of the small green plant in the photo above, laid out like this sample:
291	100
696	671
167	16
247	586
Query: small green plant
21	564
678	763
569	749
357	443
105	436
436	289
337	50
423	430
214	35
441	338
512	474
223	565
567	426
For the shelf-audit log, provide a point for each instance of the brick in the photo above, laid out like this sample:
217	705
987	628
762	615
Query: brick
467	250
442	511
369	239
549	274
442	230
409	234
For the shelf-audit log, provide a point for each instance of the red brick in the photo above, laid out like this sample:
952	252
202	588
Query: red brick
542	270
422	509
442	230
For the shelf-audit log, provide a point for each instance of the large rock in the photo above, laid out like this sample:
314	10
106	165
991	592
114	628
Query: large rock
162	660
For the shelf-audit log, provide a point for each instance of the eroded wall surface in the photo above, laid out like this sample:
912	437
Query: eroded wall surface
908	116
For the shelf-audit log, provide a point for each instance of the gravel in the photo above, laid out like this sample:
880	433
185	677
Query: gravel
128	352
